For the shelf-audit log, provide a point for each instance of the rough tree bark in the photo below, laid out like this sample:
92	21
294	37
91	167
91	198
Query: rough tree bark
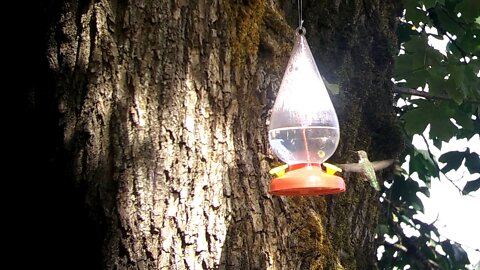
159	111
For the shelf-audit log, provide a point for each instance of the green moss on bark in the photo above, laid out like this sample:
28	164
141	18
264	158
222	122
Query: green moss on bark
245	23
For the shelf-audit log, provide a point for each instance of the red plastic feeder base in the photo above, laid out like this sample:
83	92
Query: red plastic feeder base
307	180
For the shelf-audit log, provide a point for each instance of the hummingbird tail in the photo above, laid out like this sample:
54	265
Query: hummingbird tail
375	185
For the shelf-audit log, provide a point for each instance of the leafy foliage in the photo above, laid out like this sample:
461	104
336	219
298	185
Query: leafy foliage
449	83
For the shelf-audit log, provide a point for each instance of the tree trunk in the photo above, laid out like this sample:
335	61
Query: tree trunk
159	111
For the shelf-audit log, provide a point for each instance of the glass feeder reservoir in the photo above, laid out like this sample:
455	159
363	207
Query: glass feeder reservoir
303	130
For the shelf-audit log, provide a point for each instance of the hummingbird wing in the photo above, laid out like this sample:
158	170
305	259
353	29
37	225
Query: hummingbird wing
356	167
381	164
350	167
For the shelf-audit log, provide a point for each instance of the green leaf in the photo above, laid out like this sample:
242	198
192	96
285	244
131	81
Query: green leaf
436	81
415	121
332	87
433	56
446	75
416	79
470	42
472	162
463	119
425	191
437	143
437	115
407	190
454	83
457	73
412	65
453	51
471	82
404	65
382	229
471	186
447	20
453	160
416	44
426	228
460	255
474	65
428	252
423	165
442	128
404	31
416	203
415	14
455	93
429	3
470	9
440	124
457	255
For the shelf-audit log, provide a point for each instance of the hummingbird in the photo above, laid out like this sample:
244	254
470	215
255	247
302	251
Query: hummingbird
367	168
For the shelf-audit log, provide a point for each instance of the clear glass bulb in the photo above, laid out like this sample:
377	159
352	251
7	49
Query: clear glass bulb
303	126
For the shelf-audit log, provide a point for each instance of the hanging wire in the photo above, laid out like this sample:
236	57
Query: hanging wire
300	30
300	15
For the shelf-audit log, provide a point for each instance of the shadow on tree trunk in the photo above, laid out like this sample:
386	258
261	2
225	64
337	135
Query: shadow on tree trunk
55	229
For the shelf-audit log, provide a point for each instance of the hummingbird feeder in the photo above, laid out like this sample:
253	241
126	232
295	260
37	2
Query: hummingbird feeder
303	130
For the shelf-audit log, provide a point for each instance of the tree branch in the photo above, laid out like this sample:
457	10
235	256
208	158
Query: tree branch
414	92
436	164
427	95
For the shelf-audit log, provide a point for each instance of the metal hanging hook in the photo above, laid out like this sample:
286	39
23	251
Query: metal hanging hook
300	29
